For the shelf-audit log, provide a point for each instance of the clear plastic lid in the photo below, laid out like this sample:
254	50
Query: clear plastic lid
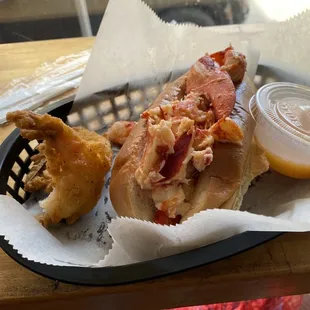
286	106
282	115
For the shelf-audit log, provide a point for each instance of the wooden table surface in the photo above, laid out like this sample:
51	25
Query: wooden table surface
279	267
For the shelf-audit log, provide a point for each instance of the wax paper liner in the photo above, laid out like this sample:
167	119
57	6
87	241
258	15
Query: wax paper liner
140	48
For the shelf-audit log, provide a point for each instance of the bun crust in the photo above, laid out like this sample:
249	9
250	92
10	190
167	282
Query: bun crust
224	177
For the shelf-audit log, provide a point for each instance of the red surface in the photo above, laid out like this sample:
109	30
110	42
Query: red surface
163	219
277	303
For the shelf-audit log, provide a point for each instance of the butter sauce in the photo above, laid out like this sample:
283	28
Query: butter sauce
282	115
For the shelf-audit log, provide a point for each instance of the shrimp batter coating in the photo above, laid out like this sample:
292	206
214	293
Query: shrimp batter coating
77	161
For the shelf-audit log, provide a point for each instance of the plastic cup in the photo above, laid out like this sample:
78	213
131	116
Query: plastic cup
282	115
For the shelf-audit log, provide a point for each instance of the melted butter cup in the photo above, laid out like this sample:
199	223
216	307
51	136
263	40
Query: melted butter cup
282	115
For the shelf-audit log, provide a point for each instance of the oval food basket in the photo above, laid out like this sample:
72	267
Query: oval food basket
121	103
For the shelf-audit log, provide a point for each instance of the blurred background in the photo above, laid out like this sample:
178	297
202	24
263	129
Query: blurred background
30	20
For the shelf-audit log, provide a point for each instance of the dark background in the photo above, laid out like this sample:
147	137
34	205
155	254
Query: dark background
24	20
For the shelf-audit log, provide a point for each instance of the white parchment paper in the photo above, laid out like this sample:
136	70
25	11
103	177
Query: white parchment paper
141	46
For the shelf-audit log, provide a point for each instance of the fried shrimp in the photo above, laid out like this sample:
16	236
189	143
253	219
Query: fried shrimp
77	161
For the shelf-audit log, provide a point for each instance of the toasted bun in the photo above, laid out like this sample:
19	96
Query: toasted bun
257	164
220	186
220	183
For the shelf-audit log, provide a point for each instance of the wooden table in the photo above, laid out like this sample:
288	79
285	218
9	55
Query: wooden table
279	267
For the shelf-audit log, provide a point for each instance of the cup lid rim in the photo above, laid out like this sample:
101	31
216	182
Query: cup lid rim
289	117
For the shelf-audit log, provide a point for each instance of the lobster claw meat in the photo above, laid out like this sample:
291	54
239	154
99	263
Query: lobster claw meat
207	79
232	62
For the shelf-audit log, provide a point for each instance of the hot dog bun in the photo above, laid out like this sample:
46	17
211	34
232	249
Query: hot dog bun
221	185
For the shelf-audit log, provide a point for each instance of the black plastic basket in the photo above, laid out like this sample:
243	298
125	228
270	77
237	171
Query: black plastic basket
97	114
